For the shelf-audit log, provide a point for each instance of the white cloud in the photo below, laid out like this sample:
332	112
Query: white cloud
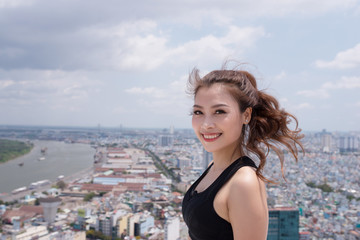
212	48
343	60
5	83
15	3
280	76
149	91
323	91
304	106
169	100
139	45
48	89
150	51
343	83
317	93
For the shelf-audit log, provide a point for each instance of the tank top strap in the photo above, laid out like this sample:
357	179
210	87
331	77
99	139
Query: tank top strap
230	171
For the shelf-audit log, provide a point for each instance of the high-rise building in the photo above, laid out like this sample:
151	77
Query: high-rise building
326	139
348	144
172	228
283	224
166	140
50	206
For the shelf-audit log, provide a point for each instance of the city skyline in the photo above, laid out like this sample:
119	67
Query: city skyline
85	64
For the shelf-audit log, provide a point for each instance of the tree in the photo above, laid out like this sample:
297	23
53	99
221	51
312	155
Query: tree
89	196
61	184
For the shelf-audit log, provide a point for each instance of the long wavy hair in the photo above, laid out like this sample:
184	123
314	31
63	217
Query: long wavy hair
268	128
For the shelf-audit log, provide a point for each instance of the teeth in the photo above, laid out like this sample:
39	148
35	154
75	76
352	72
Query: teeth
211	136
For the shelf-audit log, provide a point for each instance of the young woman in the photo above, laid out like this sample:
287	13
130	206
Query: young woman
232	118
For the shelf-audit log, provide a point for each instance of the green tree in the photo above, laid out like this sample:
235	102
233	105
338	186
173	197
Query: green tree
325	187
61	184
89	196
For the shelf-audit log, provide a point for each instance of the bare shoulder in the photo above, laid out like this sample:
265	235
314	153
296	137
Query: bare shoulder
246	178
247	205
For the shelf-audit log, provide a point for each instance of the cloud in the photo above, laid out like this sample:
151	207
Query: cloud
149	91
14	3
343	83
5	83
212	48
139	45
304	106
116	38
169	100
47	89
317	93
323	91
343	60
280	76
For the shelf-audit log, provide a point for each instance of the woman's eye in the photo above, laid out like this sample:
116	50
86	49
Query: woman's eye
220	111
197	112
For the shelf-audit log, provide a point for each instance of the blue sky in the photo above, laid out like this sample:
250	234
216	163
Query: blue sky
84	63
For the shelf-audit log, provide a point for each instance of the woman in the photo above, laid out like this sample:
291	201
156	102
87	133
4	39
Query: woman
232	118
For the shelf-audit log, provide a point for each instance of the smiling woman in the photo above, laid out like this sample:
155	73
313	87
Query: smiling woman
232	118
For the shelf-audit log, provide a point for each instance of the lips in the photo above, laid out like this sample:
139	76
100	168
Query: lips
211	137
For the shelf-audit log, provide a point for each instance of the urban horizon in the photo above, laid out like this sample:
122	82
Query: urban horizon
121	127
126	170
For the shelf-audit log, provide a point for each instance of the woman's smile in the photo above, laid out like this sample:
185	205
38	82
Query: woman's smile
210	137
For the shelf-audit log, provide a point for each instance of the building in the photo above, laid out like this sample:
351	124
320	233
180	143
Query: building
146	222
172	228
166	140
348	144
106	225
123	225
283	224
50	206
326	140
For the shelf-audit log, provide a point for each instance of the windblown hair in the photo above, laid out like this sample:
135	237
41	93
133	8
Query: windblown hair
268	126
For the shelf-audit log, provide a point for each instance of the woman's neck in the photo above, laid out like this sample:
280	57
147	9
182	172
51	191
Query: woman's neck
223	159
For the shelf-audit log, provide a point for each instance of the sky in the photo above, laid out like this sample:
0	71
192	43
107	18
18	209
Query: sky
121	63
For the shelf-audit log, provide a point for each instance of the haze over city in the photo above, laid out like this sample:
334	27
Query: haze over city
81	63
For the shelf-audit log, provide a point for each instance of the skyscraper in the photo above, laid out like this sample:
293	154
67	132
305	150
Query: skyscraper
166	140
283	224
326	140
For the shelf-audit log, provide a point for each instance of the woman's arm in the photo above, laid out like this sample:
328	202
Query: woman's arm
247	206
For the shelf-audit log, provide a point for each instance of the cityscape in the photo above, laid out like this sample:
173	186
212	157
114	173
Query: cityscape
97	107
136	179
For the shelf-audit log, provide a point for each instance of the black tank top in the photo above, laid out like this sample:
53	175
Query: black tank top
198	209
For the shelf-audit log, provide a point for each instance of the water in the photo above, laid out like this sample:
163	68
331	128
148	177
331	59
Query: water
60	159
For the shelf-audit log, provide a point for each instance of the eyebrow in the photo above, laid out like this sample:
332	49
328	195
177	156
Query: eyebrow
213	106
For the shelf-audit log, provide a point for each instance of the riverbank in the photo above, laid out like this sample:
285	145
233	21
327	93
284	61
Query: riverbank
70	179
61	158
12	149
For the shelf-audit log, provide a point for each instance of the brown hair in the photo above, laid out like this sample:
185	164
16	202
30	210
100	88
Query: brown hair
268	125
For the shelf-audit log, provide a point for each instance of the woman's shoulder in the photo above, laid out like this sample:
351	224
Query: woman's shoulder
245	179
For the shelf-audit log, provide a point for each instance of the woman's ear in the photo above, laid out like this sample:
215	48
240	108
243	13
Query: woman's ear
247	115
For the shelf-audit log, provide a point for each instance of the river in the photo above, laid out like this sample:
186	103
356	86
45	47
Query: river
60	158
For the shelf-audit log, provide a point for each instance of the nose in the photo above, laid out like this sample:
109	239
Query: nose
208	123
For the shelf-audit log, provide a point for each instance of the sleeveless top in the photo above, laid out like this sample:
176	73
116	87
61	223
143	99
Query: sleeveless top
198	209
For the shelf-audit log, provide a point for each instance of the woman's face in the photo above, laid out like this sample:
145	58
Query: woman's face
217	120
